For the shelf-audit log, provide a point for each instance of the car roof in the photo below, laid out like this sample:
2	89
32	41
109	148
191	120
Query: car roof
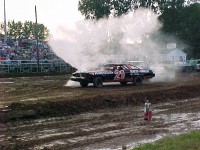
114	64
135	61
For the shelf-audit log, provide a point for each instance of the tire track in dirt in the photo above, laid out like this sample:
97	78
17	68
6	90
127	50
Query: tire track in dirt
102	126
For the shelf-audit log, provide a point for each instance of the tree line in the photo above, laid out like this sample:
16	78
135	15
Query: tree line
180	18
27	30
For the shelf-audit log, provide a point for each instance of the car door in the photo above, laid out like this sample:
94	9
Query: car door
109	73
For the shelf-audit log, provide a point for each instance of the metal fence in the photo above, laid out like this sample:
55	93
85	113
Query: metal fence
30	66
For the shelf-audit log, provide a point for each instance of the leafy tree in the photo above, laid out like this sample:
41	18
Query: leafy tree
26	30
121	6
184	23
97	9
191	28
11	30
43	32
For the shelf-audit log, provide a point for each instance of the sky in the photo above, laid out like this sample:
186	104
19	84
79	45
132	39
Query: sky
51	13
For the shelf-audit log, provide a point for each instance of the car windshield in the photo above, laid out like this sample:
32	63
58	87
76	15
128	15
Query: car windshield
108	67
112	67
134	67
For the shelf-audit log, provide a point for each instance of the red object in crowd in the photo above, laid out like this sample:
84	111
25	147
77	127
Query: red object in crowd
148	116
2	58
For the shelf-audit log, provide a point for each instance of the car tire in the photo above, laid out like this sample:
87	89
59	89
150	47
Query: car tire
98	82
137	80
84	84
123	83
189	69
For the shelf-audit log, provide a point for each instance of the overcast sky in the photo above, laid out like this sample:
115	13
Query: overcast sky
51	13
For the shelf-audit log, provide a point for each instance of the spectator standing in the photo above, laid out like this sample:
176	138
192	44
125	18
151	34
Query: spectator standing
16	43
147	111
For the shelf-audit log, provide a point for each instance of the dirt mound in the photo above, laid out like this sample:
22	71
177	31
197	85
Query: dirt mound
76	106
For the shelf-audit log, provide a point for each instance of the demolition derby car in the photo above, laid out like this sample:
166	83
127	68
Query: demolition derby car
121	73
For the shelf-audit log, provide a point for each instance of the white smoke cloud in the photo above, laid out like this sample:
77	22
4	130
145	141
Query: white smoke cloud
91	43
87	45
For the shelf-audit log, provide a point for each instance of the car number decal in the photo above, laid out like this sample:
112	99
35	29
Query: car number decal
120	75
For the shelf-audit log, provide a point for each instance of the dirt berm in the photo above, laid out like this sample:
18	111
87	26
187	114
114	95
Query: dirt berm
47	96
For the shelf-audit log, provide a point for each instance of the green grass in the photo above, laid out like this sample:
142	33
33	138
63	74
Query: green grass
190	141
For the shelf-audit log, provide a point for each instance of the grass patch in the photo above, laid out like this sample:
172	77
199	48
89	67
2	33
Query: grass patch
189	141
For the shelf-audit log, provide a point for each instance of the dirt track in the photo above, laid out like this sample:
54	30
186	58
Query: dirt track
44	113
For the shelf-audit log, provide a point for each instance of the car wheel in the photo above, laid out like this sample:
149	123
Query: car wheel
123	83
84	84
137	80
98	82
189	69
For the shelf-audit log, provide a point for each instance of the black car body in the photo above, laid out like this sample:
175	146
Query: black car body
122	73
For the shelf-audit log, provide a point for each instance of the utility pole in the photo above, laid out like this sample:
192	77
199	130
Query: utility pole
5	25
36	37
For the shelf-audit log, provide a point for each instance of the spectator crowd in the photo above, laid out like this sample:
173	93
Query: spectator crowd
24	49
